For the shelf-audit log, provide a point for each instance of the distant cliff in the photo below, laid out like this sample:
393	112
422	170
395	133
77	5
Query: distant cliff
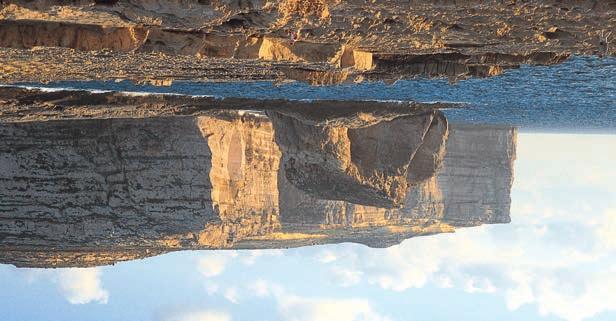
317	41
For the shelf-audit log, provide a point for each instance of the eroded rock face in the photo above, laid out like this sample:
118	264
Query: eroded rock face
49	258
479	174
366	164
86	192
473	187
33	33
90	181
166	182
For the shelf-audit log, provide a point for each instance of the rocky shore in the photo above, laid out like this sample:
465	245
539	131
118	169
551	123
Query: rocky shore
317	41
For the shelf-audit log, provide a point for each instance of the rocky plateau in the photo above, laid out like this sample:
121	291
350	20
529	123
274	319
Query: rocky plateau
316	41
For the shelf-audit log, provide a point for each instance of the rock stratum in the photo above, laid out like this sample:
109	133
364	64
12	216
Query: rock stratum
83	190
317	41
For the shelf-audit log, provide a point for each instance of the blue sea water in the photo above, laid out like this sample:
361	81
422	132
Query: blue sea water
578	95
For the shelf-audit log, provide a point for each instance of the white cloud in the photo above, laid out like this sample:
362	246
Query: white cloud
523	267
81	286
260	288
293	308
211	288
479	285
576	302
346	277
606	231
200	316
232	295
213	263
521	293
326	256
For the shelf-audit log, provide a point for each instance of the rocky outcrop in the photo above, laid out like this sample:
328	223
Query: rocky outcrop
347	163
298	51
93	181
479	174
450	64
145	182
134	181
202	44
33	33
472	188
50	258
23	104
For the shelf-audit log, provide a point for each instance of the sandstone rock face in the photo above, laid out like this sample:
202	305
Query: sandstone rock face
284	49
85	192
30	33
479	174
243	172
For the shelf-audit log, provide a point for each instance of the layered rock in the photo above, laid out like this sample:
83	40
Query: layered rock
22	104
136	184
320	42
472	188
33	33
349	163
84	192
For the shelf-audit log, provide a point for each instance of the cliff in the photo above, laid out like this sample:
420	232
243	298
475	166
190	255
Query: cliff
472	188
350	163
83	192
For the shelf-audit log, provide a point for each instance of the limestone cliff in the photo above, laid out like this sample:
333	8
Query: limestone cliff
148	182
472	188
366	164
84	192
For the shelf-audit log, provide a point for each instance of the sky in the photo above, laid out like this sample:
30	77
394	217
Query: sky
554	261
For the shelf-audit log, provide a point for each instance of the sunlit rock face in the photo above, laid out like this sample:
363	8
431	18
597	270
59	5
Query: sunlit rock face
361	164
148	182
472	187
90	192
243	172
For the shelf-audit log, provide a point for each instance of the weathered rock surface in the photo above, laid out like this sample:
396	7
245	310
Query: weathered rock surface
85	192
137	184
364	164
472	188
32	33
319	42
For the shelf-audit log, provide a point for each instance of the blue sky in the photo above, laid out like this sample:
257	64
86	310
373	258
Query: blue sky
555	261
